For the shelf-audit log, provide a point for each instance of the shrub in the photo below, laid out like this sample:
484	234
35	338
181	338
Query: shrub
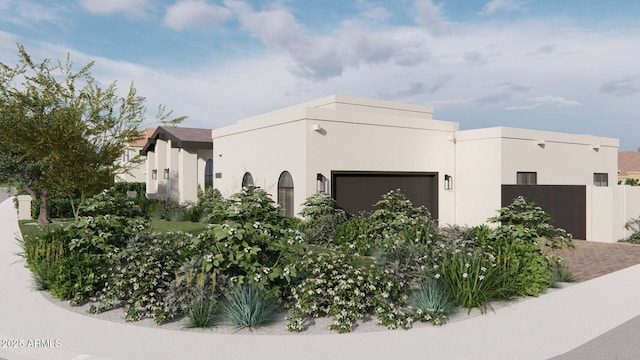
472	280
407	262
71	261
560	272
194	213
191	283
102	234
247	306
77	277
253	204
394	213
332	285
521	259
59	208
140	274
536	222
252	252
123	187
42	253
633	225
521	245
213	204
111	202
431	302
321	218
168	210
354	235
199	312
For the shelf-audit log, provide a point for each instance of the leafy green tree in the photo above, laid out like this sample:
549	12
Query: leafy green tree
60	131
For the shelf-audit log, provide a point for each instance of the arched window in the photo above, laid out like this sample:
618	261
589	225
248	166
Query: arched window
208	174
285	193
247	180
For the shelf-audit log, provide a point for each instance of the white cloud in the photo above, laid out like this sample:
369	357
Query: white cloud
490	69
494	6
195	13
554	100
7	40
29	13
429	16
135	8
523	107
372	11
418	87
622	87
324	56
545	100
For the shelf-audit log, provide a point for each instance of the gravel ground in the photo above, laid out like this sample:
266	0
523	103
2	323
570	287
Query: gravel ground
318	326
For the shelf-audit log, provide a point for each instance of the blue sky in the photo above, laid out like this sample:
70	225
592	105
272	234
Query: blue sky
561	65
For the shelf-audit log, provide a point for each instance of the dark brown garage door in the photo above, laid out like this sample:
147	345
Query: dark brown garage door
566	204
356	192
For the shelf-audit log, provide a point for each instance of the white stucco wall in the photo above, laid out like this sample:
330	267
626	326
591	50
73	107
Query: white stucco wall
265	152
136	172
362	141
186	171
477	178
488	158
609	209
565	159
150	164
351	135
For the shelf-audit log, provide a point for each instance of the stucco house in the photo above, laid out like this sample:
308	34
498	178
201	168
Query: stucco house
357	149
179	161
130	155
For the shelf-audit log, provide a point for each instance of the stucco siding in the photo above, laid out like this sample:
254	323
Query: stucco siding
477	177
392	147
562	159
265	153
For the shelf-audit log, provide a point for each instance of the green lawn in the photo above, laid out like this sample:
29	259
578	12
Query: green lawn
30	228
161	226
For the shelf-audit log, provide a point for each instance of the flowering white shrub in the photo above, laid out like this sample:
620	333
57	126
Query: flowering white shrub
331	285
140	275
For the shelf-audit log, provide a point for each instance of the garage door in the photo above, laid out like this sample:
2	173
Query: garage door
566	204
356	192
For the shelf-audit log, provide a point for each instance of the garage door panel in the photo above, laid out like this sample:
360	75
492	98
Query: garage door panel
356	192
566	204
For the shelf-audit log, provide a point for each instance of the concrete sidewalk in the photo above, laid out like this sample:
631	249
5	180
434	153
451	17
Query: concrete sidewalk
537	328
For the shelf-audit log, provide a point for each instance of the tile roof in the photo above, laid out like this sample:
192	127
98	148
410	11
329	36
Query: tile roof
188	134
180	137
628	161
146	134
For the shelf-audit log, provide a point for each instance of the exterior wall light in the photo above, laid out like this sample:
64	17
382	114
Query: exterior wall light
317	127
541	142
595	147
154	174
166	173
448	182
320	183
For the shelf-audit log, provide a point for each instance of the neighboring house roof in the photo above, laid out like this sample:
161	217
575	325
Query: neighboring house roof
145	135
628	161
181	137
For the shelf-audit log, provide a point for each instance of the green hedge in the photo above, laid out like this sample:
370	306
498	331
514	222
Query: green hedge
139	187
58	208
61	207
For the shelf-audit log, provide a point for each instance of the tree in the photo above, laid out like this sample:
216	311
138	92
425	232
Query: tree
60	132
